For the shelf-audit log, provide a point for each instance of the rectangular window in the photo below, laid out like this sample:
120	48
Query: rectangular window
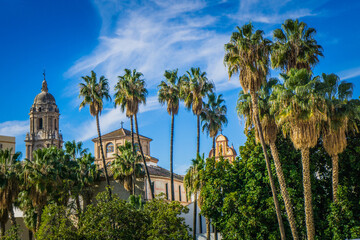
167	191
98	152
0	146
180	193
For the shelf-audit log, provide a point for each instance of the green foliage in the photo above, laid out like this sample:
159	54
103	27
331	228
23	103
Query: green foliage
165	222
112	219
12	233
237	197
56	224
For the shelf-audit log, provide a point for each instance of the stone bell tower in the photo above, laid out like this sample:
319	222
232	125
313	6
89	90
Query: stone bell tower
44	123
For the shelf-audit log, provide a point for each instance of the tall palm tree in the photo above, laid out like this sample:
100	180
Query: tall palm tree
10	170
4	217
295	47
247	53
130	93
169	93
270	131
213	116
93	93
194	89
342	113
122	166
300	110
193	185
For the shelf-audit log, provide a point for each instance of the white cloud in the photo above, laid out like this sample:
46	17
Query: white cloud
110	120
14	128
350	73
156	36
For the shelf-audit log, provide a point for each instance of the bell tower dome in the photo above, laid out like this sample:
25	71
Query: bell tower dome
44	123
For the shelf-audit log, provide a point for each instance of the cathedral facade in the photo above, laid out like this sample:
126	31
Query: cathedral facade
44	123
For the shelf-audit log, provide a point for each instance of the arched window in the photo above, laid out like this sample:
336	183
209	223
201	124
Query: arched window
109	148
55	124
40	123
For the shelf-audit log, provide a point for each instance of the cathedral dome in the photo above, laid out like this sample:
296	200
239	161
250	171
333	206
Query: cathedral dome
44	97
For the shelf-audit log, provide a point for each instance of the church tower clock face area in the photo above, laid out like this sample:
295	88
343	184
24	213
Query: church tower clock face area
44	122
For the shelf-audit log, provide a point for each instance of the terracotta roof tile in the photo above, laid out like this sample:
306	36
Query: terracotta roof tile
122	132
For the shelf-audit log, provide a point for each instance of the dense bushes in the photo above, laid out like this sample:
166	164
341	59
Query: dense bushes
115	219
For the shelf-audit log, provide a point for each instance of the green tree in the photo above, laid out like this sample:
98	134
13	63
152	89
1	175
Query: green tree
45	178
193	185
123	166
10	170
56	224
295	47
213	116
270	131
342	113
93	93
75	149
113	219
130	93
299	109
169	93
247	53
165	222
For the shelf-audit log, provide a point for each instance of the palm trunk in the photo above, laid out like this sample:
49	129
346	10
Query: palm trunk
335	176
194	216
198	136
213	146
133	148
38	218
142	155
263	145
103	155
309	218
284	192
171	159
207	228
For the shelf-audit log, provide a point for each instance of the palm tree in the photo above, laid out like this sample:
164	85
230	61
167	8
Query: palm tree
75	149
342	114
4	217
169	93
270	131
300	110
122	166
247	53
10	169
194	89
86	175
295	47
130	93
93	93
213	116
193	185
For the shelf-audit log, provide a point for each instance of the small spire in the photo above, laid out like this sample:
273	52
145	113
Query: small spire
122	124
44	87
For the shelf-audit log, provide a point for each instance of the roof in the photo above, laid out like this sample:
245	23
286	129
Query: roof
122	132
162	172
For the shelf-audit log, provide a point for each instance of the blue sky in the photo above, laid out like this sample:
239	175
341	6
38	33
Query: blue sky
69	38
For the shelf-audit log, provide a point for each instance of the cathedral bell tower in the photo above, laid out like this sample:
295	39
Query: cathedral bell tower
44	123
